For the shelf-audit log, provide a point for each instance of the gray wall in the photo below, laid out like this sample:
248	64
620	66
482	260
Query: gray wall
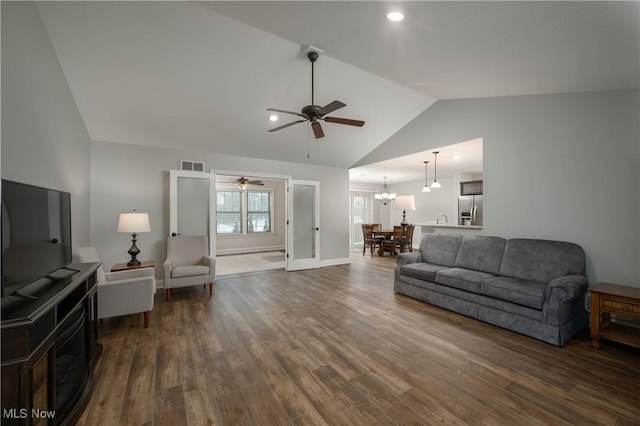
44	140
126	177
560	167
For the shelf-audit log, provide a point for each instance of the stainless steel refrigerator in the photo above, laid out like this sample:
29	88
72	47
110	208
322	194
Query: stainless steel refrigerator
470	210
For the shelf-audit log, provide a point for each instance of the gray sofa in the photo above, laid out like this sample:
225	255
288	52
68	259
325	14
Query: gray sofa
533	287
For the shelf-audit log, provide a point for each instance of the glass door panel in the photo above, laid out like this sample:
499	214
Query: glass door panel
303	247
191	209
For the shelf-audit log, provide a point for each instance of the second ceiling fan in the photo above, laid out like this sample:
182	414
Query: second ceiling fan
316	113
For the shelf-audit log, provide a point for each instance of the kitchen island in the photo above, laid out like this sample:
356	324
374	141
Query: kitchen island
445	225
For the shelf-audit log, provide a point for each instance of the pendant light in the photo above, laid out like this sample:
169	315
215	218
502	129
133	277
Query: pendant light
426	182
435	183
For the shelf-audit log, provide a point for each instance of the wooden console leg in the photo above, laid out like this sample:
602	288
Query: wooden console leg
168	294
210	289
147	318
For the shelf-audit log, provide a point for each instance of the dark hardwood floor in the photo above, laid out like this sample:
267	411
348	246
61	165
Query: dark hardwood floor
336	346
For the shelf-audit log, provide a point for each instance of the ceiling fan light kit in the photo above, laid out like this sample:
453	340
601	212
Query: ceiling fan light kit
243	183
315	113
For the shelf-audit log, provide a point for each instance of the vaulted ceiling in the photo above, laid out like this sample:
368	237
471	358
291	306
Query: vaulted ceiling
200	75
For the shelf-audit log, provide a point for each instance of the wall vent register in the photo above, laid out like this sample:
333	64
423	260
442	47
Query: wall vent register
196	166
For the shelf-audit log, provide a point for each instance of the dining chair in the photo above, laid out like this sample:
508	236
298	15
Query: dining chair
367	237
393	244
409	242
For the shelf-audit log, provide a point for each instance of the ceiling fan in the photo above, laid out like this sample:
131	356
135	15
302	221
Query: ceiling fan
316	113
243	182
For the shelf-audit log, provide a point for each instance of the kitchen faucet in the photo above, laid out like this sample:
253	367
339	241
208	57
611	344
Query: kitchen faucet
446	218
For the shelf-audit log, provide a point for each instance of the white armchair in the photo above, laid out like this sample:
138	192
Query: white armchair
188	263
123	292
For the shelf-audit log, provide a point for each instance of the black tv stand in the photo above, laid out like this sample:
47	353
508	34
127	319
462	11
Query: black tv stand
61	273
24	295
49	349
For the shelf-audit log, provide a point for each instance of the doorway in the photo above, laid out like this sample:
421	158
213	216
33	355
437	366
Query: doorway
281	214
250	225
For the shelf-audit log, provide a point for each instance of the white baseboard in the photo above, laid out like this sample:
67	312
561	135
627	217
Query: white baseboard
249	250
335	262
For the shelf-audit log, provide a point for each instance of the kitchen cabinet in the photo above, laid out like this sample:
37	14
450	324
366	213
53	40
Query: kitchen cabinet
472	187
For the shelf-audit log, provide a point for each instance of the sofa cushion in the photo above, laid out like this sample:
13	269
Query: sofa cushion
189	271
481	253
463	279
440	249
541	260
421	271
522	292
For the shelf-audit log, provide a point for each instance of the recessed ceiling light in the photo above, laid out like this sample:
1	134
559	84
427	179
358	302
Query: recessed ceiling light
395	16
273	117
456	157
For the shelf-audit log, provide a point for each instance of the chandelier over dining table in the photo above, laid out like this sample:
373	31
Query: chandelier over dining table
385	197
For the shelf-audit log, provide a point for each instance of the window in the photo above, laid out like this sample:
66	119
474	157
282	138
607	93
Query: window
258	211
244	212
360	211
229	212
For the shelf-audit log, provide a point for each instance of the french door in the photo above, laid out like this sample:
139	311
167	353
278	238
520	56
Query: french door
192	208
303	248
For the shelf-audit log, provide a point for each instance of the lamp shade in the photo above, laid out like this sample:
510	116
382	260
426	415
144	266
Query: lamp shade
134	223
405	202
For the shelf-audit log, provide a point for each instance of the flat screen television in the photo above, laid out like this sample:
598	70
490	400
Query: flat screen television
36	234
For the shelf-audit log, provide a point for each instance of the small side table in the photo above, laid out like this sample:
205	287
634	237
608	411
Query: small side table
622	301
124	267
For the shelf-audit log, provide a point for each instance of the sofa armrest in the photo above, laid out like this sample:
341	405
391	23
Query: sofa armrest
211	263
409	257
167	266
566	289
564	300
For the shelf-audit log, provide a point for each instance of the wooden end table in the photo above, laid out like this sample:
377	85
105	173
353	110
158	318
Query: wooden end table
124	267
621	301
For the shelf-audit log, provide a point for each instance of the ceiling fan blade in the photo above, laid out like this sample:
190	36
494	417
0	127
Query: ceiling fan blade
347	121
286	125
286	112
317	130
256	182
330	107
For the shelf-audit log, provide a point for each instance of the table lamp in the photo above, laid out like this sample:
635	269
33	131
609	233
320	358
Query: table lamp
404	202
134	223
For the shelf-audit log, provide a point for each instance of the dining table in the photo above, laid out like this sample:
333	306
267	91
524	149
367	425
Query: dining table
387	234
384	233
